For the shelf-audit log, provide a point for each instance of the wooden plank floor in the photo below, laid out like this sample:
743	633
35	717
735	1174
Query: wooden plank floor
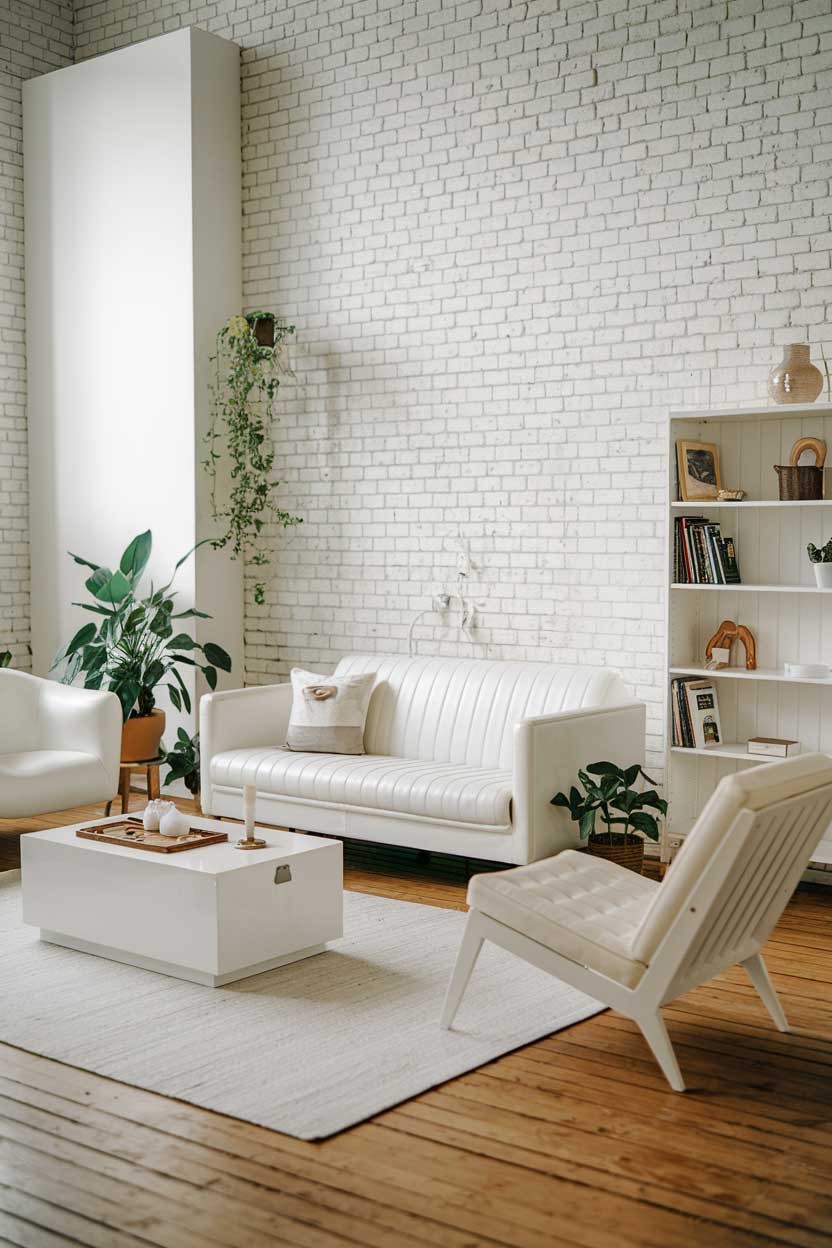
574	1140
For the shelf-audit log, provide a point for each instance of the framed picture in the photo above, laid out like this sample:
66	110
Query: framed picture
698	464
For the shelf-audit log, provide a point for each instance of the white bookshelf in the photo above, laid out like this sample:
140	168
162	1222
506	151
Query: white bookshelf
778	600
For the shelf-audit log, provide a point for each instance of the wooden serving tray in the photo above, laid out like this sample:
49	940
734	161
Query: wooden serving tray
128	831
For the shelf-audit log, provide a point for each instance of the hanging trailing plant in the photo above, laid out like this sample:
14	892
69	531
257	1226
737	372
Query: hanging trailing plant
249	363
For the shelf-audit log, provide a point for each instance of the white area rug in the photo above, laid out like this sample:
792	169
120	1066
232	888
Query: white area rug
307	1049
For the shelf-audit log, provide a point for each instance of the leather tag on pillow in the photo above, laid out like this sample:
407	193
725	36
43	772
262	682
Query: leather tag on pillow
328	712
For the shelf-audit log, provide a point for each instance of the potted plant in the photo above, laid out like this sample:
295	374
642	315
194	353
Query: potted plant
183	761
5	658
249	362
620	806
821	558
135	649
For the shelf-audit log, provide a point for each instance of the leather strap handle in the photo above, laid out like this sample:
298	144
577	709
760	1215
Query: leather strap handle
808	444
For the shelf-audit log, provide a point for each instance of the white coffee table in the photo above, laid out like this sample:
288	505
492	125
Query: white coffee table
211	915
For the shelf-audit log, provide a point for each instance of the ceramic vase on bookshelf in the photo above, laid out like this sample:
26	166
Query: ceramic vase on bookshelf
823	575
795	379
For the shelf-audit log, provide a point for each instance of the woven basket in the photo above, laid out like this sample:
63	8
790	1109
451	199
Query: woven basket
629	853
799	483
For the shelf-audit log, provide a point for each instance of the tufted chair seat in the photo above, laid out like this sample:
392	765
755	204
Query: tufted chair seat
587	908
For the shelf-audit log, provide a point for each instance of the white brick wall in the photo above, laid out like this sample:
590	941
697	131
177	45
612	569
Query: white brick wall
35	36
511	235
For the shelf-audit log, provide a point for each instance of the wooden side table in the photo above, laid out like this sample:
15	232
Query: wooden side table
150	767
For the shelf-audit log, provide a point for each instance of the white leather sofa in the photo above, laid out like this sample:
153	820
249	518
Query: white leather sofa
463	755
59	746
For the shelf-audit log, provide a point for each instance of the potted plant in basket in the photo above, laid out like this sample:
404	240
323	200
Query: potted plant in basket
821	558
620	806
135	649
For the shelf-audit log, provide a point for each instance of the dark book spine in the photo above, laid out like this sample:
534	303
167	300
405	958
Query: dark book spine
713	532
703	567
732	571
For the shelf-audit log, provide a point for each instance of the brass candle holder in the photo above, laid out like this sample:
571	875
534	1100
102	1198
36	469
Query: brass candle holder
250	841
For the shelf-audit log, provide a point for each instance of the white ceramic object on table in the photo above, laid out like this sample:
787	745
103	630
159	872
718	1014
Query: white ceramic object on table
153	813
823	575
174	822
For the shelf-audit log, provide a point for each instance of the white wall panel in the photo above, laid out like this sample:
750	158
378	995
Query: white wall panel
132	172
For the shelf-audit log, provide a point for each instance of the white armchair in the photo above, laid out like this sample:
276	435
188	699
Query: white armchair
59	746
636	945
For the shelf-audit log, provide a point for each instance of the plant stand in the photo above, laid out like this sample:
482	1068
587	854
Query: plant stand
150	767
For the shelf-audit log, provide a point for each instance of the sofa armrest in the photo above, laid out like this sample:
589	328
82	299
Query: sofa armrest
240	718
548	751
81	719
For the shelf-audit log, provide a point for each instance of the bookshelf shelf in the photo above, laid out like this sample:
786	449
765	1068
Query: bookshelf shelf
796	411
774	674
754	589
749	504
791	622
730	749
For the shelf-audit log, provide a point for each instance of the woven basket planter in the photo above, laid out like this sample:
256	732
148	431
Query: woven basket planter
627	853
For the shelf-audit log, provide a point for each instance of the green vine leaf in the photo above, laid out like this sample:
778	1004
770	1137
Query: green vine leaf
246	380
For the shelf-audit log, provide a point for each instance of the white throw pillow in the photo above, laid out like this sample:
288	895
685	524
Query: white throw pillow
328	712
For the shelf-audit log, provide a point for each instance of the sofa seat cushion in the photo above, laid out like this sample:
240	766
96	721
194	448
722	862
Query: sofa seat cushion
35	781
582	907
444	791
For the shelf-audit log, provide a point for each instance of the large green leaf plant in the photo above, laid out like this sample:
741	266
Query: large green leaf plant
136	649
609	792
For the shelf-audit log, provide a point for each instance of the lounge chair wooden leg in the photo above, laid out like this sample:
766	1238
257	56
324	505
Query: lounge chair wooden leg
655	1033
465	960
758	974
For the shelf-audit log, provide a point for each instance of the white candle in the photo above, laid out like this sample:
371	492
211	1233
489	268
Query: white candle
249	805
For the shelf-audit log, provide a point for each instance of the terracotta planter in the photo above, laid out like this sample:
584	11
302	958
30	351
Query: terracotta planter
629	853
141	737
795	379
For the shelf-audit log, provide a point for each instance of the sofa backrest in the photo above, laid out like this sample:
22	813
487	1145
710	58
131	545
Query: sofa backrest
464	710
19	711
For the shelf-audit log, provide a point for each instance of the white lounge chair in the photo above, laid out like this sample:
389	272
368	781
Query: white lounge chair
59	746
635	944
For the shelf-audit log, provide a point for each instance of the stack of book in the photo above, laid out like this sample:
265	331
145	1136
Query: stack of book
701	555
695	713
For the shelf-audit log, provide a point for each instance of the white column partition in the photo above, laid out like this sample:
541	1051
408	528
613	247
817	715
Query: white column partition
133	229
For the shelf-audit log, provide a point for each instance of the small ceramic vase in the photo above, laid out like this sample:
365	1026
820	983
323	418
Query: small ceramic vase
174	822
823	575
153	813
795	379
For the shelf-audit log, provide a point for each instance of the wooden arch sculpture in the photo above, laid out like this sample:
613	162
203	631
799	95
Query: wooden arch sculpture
727	632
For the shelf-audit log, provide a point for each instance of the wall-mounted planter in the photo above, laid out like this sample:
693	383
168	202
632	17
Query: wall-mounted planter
263	327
